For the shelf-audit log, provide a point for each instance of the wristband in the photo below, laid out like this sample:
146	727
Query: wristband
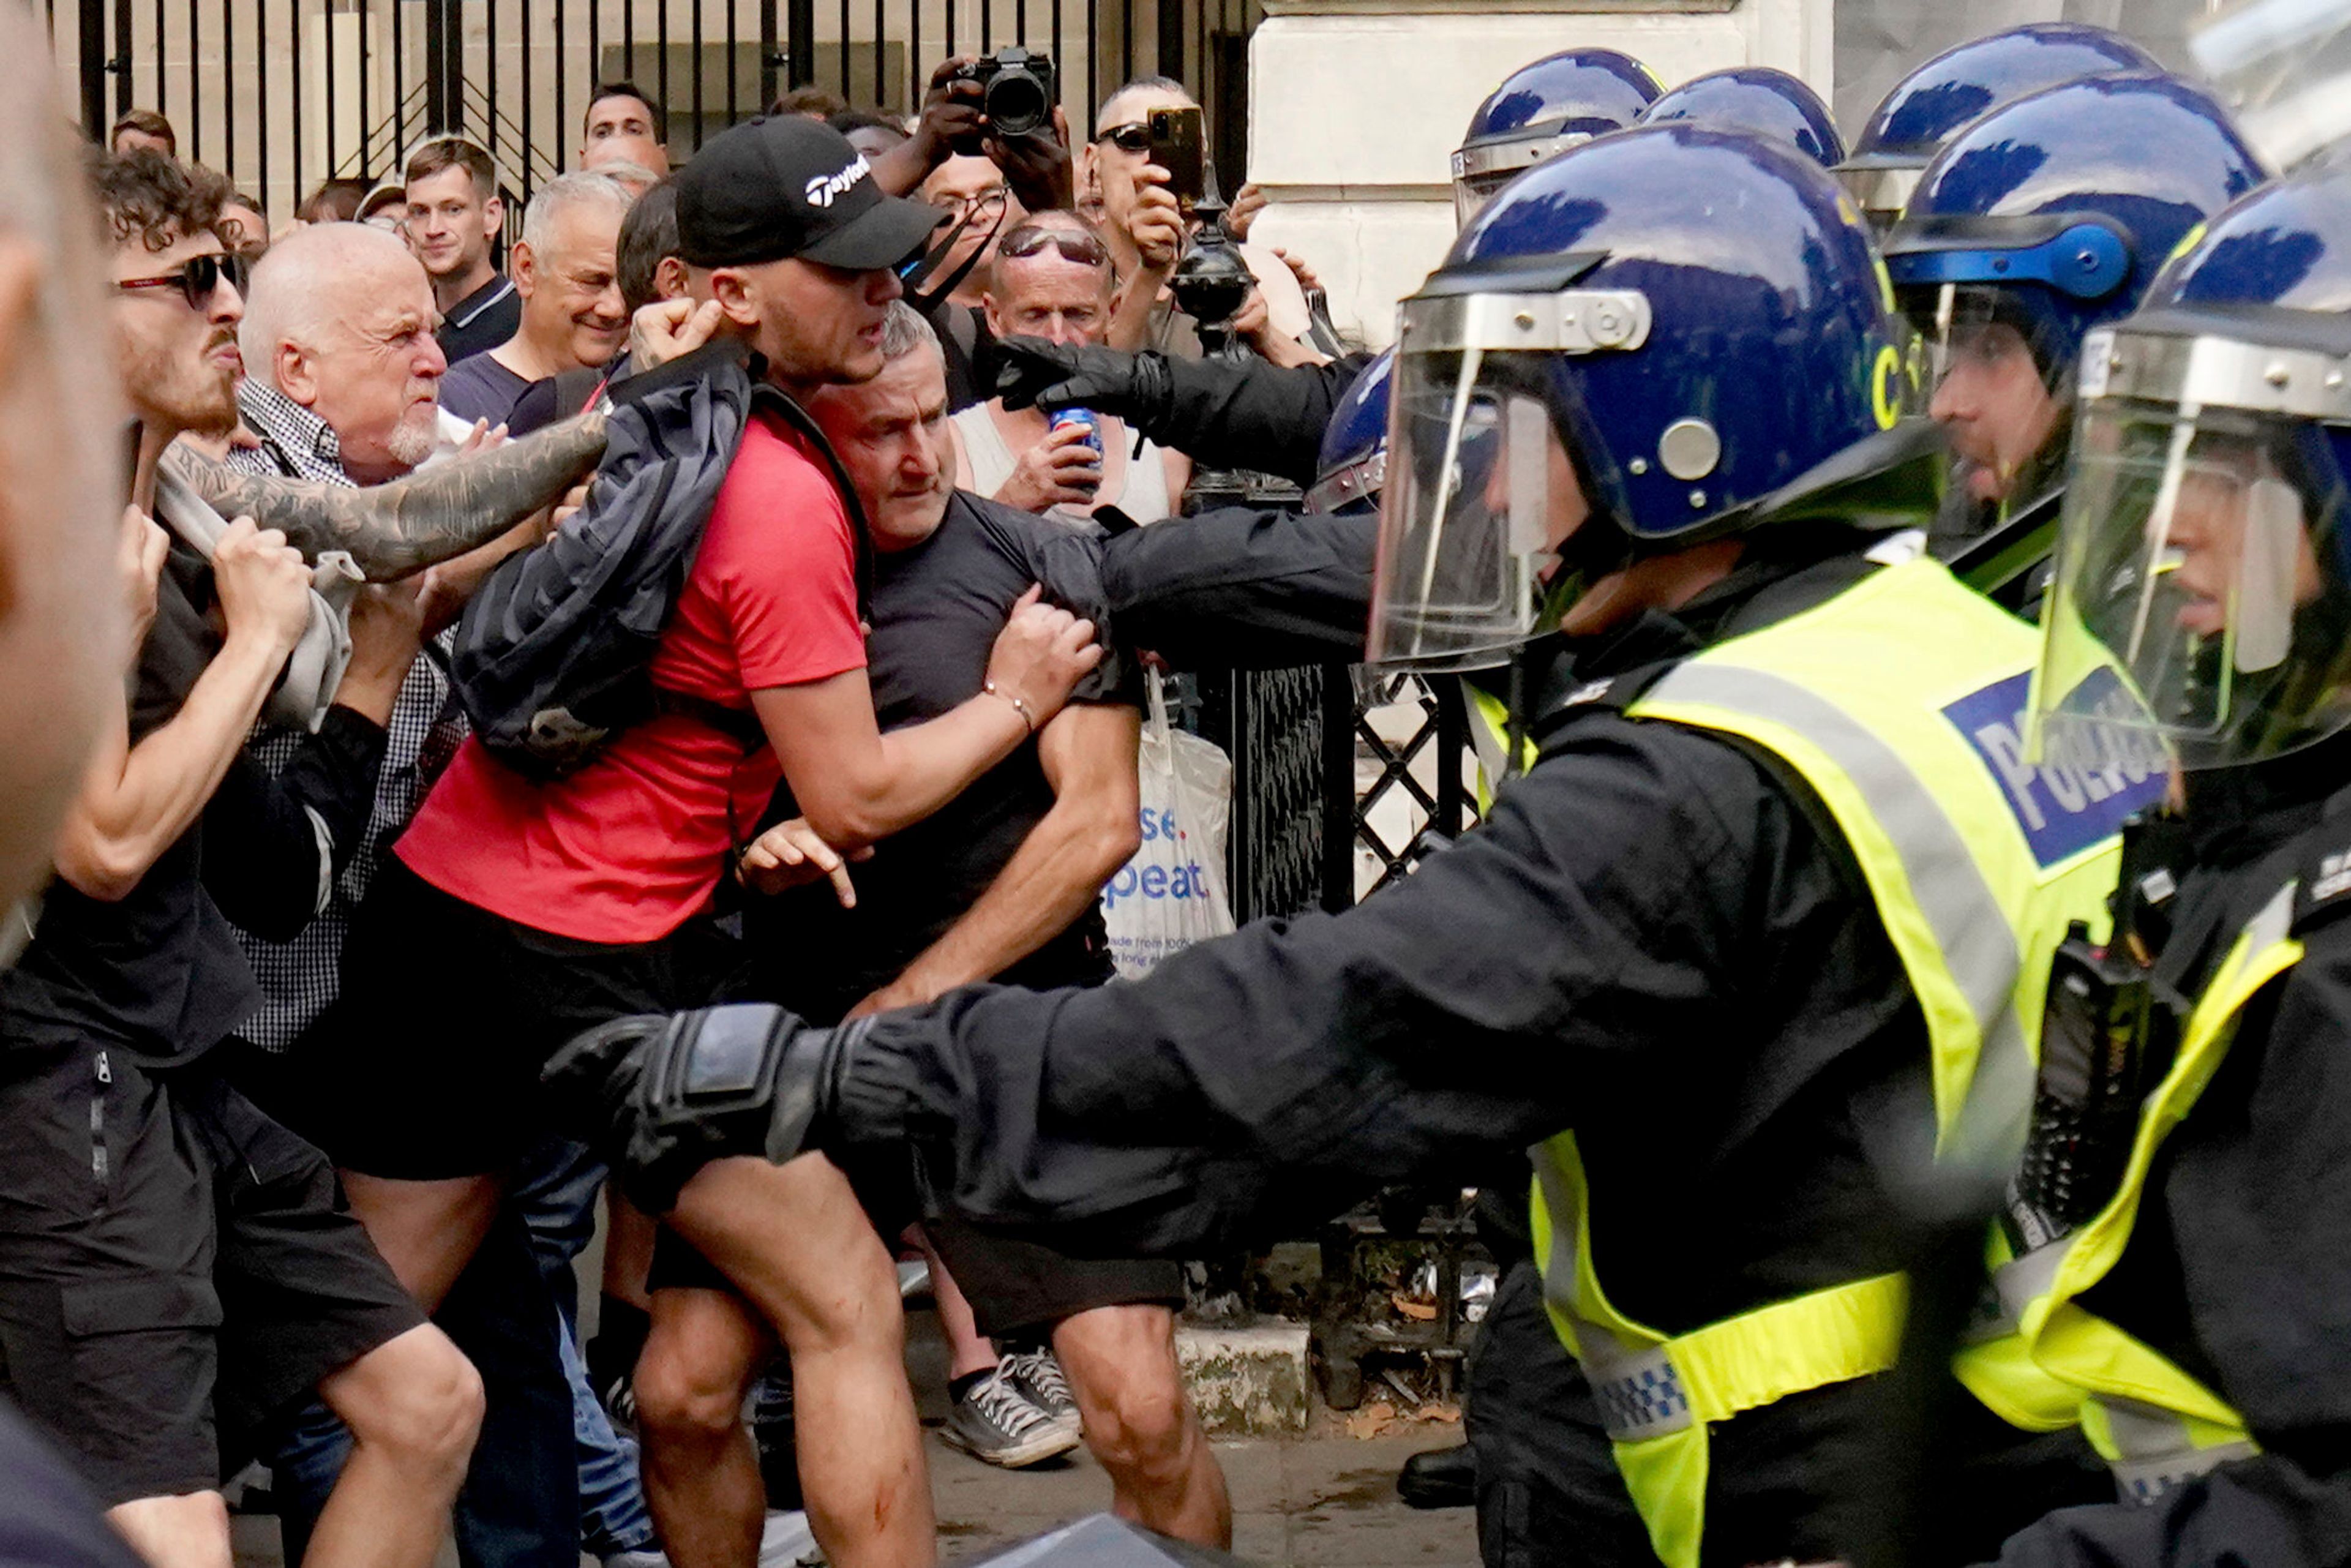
989	688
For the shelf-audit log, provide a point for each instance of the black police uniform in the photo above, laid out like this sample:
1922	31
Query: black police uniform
1655	920
1245	587
2252	1193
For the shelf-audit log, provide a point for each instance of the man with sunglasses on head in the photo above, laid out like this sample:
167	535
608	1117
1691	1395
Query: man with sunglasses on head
176	1270
1052	280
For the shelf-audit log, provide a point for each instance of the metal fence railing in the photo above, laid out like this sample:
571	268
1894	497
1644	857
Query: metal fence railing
281	94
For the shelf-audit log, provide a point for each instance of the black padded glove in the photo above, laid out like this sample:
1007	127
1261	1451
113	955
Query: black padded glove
1136	388
662	1094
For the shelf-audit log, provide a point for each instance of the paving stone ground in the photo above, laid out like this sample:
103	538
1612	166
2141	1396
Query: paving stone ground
1325	1500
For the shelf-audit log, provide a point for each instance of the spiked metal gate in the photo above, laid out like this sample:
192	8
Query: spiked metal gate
281	94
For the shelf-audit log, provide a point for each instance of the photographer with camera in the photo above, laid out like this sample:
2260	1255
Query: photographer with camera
1003	107
1147	189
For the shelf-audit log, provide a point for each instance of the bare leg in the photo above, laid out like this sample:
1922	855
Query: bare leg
969	1352
1121	1363
794	1241
427	1230
702	1470
186	1532
413	1407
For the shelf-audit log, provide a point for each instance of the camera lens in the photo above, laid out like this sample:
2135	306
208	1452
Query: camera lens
1016	103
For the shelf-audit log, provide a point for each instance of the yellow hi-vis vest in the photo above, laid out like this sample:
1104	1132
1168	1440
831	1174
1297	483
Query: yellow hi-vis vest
2155	1425
1489	741
1900	702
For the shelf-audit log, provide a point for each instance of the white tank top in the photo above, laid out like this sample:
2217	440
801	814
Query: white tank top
1143	497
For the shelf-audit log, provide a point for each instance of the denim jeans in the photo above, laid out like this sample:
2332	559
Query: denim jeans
556	1197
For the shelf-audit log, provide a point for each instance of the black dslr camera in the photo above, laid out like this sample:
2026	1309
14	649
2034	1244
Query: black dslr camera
1016	89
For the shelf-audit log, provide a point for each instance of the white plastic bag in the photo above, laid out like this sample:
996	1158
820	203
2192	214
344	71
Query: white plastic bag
1172	894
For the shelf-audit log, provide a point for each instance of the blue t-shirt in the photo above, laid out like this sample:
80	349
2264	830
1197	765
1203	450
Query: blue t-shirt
481	388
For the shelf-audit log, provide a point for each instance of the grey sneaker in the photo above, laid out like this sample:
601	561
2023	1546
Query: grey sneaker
1038	1376
996	1424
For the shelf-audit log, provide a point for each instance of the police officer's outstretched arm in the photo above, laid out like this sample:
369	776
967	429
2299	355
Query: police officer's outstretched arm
1245	414
1602	922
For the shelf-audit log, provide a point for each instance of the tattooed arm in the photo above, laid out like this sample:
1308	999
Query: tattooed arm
394	529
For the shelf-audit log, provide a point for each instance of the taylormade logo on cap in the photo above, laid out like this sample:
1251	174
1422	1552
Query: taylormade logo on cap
825	188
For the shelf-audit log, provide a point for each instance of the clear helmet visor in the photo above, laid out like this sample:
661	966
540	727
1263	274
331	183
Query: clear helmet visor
1880	193
1480	493
1481	169
1984	373
2199	608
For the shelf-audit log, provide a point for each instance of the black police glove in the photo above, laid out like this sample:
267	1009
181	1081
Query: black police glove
663	1094
1136	388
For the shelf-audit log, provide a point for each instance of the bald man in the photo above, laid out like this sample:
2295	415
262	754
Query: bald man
342	371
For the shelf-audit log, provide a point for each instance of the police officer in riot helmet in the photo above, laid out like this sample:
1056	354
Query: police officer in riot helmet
1763	101
1557	103
1963	84
2186	1201
2031	226
1752	950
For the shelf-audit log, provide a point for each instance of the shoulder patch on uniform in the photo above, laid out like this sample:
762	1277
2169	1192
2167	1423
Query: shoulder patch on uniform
2324	889
2064	806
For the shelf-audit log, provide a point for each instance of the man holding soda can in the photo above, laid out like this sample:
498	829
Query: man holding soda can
1051	278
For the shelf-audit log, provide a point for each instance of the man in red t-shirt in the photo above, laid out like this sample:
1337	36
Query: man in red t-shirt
515	912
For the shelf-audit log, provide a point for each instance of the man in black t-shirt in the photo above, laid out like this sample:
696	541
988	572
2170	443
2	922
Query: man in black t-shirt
1002	883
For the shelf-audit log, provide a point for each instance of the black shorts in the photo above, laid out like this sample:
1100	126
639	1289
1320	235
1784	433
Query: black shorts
1015	1284
427	1066
176	1269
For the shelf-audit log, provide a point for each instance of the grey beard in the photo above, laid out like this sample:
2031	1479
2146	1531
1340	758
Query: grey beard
411	445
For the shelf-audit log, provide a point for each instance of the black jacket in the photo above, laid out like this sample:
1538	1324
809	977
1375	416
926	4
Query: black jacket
1240	587
1655	939
2239	1266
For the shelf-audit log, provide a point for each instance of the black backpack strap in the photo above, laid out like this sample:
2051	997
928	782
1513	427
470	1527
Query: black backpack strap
765	395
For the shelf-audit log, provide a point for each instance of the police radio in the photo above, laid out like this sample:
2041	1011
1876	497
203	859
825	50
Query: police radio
2106	1040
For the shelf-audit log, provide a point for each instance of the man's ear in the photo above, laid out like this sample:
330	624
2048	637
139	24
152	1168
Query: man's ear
524	268
737	300
295	373
670	279
995	322
494	217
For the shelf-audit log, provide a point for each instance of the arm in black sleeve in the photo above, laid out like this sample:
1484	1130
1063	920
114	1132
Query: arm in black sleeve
273	845
1603	911
2263	1512
1244	589
2255	1195
1251	415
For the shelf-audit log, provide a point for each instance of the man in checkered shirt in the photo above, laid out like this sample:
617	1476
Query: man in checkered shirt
343	376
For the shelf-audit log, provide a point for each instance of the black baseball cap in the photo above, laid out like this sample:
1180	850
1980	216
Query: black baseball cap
786	185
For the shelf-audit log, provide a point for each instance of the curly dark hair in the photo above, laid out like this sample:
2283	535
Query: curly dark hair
155	199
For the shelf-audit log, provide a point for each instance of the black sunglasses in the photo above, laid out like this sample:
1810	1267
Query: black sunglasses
1134	136
1029	240
198	278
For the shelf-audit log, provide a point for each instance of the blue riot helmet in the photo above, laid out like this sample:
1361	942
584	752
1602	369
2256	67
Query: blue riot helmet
1545	107
1758	98
2203	603
1911	124
2045	218
1355	444
1657	339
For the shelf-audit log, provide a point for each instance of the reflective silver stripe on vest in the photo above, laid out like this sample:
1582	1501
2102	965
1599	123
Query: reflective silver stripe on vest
1639	1391
2156	1456
2014	1284
1978	943
1490	744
